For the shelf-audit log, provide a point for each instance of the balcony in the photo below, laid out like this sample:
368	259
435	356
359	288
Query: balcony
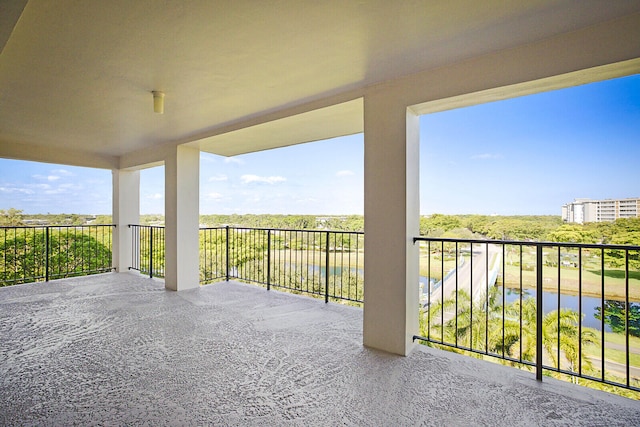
158	360
119	349
486	302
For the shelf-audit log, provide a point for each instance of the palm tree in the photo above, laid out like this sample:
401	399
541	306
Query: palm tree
484	326
560	331
479	325
560	335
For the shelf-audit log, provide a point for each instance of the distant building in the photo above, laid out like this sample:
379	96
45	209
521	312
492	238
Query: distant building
322	221
586	210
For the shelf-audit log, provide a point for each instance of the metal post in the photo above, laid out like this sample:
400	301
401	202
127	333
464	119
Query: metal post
539	312
151	252
46	254
326	271
227	260
627	308
268	260
133	246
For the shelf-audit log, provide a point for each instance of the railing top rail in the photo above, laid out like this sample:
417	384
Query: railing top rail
55	226
146	226
527	243
283	229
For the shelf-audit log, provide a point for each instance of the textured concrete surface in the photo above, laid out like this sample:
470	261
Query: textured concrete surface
118	349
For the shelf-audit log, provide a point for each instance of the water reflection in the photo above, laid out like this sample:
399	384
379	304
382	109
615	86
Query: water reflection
590	305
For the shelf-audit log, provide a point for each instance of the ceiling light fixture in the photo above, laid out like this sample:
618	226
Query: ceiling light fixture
158	102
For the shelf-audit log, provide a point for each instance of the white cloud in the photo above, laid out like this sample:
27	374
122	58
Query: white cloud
68	188
208	158
307	200
345	173
62	172
55	175
219	177
55	191
234	160
486	156
155	196
11	190
248	179
253	199
214	196
47	178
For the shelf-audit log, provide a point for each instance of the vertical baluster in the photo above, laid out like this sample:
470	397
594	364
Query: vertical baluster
326	271
539	313
602	317
46	254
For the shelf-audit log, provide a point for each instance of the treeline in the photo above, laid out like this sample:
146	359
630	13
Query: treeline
522	227
16	217
549	228
288	222
32	254
293	222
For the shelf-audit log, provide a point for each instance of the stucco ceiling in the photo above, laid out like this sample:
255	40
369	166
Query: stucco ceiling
78	75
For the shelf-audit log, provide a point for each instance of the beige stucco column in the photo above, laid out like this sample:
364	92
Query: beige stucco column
182	171
126	210
391	212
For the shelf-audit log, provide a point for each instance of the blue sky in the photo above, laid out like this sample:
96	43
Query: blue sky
522	156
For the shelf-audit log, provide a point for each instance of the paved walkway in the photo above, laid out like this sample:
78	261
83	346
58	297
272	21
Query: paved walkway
117	349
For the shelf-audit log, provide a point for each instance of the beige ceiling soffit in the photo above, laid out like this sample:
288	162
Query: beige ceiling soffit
141	166
555	56
278	113
324	123
329	122
56	155
10	13
576	78
147	157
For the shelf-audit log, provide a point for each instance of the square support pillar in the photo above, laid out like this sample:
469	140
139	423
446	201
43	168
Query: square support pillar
126	210
392	219
182	211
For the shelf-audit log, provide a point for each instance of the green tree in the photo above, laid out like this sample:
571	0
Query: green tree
439	221
11	217
616	257
559	328
615	313
477	324
103	220
573	233
23	256
354	223
482	326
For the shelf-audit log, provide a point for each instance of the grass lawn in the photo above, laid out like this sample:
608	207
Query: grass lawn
569	279
618	356
615	354
434	267
614	282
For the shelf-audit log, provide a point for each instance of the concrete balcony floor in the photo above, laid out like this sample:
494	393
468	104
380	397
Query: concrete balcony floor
117	349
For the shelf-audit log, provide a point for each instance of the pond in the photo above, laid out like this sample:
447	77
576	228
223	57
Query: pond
590	305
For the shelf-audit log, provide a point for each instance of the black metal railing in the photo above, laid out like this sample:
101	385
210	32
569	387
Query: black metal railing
214	264
147	255
571	309
42	253
327	264
558	308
